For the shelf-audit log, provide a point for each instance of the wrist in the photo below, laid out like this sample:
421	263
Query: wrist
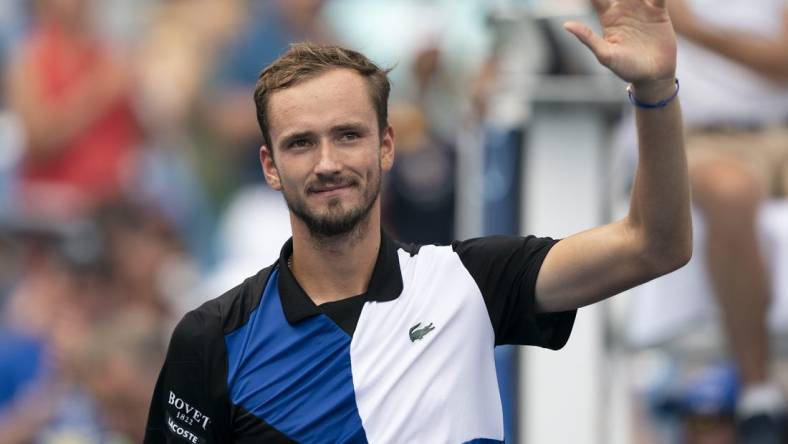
652	91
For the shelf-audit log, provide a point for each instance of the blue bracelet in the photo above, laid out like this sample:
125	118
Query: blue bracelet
660	104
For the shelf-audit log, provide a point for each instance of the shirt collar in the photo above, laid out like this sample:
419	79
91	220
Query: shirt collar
384	285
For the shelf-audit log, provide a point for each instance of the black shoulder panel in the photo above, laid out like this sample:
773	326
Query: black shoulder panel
191	400
506	268
235	305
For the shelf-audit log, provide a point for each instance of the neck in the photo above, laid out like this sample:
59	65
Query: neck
335	268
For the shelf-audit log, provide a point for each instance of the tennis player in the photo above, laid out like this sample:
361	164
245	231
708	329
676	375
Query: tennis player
352	337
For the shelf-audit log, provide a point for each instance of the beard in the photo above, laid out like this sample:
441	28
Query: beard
337	220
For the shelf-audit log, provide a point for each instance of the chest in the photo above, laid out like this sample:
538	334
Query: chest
397	377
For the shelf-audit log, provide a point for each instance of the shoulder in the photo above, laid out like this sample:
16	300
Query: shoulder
497	250
496	243
223	314
484	251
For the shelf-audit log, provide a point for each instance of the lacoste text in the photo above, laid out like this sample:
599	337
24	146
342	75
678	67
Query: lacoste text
180	431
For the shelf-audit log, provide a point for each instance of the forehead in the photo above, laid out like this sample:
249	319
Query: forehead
331	98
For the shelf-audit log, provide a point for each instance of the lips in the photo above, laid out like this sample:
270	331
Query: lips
328	188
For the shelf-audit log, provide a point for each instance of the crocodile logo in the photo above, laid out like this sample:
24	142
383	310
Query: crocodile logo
417	333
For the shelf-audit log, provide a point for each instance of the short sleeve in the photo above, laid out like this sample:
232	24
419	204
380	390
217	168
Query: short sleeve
188	404
505	268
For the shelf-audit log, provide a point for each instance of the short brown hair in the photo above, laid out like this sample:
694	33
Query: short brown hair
306	60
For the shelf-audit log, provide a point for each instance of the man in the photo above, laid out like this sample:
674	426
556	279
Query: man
734	62
350	337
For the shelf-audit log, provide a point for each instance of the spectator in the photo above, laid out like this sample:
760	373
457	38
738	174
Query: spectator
267	29
176	169
420	186
733	64
72	96
149	267
119	367
47	315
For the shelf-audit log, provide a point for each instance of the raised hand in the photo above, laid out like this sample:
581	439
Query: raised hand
638	42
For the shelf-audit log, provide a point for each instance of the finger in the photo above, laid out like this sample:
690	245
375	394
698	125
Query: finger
589	38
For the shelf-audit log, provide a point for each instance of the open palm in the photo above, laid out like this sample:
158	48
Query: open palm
638	42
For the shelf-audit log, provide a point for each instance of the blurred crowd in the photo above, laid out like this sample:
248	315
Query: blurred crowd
130	186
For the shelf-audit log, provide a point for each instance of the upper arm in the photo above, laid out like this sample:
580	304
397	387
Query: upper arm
593	265
505	269
187	401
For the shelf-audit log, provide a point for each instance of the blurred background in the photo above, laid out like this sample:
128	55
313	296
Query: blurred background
131	192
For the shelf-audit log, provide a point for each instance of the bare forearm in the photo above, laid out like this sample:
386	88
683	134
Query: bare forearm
638	45
660	210
768	57
49	126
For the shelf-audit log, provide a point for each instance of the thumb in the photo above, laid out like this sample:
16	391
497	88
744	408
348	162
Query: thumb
596	44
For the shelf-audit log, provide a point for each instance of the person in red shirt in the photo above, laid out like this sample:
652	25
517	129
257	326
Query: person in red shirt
73	99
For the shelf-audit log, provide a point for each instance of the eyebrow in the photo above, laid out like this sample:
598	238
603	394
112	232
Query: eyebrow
353	126
357	127
296	136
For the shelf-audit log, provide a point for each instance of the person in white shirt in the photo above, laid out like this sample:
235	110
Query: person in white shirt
733	65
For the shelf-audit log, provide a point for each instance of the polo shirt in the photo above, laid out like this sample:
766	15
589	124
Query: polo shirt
411	360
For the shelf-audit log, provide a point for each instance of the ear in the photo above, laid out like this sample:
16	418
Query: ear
270	172
387	151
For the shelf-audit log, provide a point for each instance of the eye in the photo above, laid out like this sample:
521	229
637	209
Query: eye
349	136
299	143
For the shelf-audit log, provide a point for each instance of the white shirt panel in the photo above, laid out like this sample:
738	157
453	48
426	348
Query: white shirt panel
448	375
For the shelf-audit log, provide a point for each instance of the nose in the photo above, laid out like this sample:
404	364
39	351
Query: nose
328	162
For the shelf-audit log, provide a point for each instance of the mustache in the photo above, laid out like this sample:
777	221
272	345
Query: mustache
330	184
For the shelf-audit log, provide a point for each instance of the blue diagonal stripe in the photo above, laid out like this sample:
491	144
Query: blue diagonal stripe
296	378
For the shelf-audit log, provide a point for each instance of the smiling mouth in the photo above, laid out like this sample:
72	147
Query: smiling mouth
327	189
330	189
